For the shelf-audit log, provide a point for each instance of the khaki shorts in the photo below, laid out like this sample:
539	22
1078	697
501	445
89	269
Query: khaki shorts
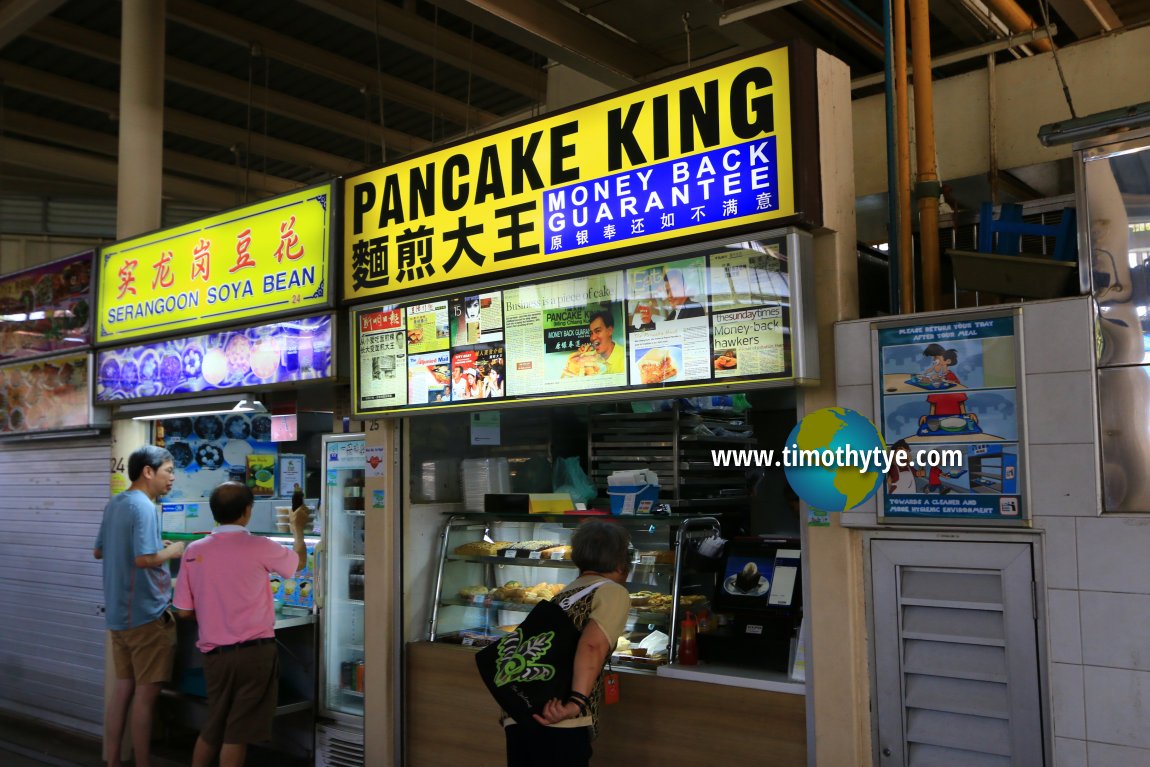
243	687
145	653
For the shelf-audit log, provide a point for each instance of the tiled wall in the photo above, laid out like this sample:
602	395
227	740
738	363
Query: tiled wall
1096	568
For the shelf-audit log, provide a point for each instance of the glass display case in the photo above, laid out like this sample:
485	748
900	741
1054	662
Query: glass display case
341	617
493	568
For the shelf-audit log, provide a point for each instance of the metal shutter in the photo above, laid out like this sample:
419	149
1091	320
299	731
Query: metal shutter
51	592
956	654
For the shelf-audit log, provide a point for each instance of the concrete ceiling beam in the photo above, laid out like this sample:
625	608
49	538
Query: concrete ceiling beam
105	48
99	170
325	63
565	35
18	16
412	31
68	135
176	122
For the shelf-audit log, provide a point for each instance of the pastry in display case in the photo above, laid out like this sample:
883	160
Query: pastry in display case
494	568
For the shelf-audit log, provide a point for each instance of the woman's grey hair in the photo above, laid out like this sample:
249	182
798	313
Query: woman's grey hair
600	547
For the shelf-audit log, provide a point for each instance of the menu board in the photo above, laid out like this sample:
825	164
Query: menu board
45	395
46	309
278	353
949	400
718	316
210	449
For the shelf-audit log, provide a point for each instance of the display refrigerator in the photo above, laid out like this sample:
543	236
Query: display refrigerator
339	732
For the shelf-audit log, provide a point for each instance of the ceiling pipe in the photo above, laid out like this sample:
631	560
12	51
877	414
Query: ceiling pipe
894	221
744	12
905	248
848	19
966	54
927	188
1018	20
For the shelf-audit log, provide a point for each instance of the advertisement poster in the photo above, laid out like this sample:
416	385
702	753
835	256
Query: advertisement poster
262	259
375	458
46	309
566	335
261	474
291	472
953	387
485	428
44	395
667	322
283	352
299	590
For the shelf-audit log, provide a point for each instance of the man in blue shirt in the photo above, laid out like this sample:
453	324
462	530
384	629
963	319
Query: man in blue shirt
137	592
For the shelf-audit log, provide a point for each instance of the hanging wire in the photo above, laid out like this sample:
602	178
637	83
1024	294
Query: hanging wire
363	91
248	139
267	91
687	31
238	149
2	93
434	62
379	89
1044	6
470	67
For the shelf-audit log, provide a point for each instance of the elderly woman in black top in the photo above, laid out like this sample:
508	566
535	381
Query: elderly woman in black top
561	736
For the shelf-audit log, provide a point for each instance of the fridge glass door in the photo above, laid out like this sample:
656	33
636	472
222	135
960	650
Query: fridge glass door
342	619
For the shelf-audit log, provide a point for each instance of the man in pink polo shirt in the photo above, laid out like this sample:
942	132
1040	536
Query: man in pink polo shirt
223	582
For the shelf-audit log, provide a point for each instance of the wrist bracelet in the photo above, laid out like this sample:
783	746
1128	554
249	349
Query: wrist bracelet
580	700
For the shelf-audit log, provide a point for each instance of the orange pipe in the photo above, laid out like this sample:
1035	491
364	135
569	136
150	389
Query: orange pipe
902	139
925	152
1017	20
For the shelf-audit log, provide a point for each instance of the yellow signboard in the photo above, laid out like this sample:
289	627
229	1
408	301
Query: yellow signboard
700	153
256	261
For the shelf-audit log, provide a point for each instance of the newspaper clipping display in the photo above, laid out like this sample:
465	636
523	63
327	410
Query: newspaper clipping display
566	335
478	367
718	315
382	358
668	332
749	289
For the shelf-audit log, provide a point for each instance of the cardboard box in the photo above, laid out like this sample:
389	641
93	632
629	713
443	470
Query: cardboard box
549	503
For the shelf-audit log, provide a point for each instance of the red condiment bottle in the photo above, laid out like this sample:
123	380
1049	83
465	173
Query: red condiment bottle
688	641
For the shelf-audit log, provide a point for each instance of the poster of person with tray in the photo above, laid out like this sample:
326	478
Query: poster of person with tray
951	388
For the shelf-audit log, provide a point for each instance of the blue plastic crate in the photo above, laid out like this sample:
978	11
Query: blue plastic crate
633	499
